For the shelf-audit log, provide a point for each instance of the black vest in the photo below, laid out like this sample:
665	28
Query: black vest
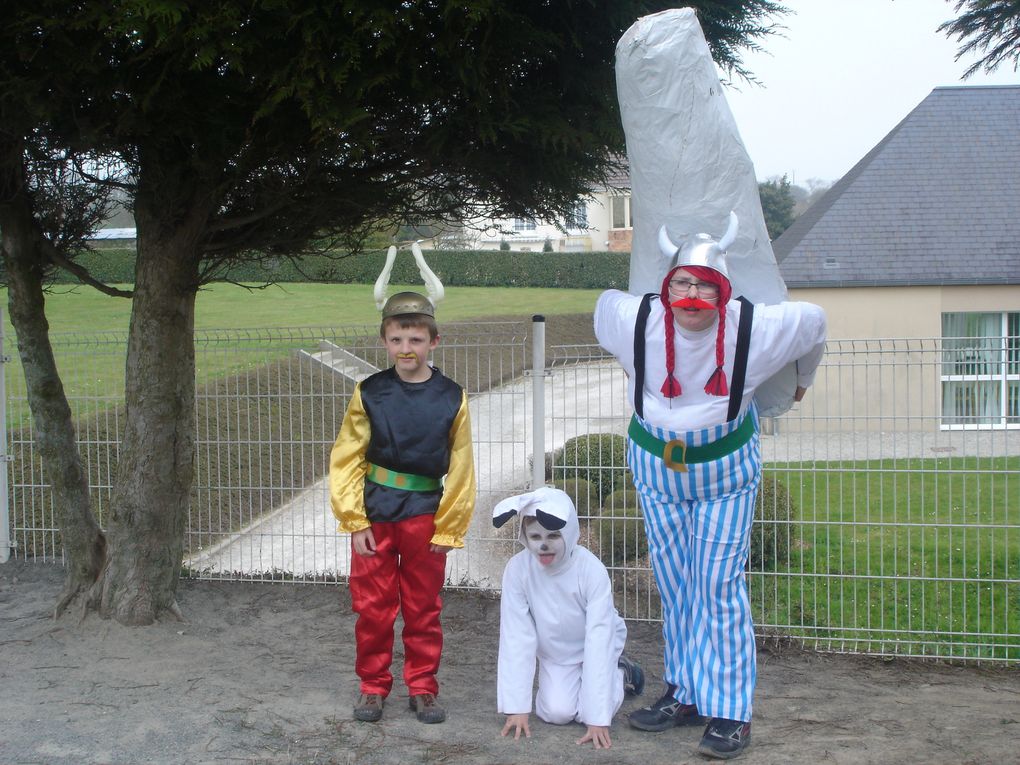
410	433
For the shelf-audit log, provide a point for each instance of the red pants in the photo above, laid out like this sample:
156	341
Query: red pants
404	575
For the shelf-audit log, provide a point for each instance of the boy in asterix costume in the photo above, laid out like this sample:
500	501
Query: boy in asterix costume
405	430
694	357
557	608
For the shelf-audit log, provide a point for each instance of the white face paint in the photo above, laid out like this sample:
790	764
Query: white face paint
547	546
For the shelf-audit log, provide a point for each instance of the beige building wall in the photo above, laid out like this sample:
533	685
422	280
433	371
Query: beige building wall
902	312
883	366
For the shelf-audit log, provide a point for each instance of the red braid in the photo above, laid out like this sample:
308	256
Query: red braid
670	386
716	385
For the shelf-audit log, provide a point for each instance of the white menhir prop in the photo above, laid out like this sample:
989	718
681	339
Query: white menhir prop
433	286
689	169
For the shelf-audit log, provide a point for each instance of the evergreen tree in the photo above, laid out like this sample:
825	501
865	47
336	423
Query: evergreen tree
777	204
991	27
270	128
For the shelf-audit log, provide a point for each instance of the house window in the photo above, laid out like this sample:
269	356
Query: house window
524	224
980	370
577	218
619	212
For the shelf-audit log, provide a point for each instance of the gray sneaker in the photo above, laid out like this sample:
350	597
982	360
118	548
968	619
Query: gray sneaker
369	708
426	708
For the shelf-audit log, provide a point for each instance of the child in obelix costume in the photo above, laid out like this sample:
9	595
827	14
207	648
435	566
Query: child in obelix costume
557	608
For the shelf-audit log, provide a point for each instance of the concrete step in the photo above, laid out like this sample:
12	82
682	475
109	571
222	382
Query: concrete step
339	361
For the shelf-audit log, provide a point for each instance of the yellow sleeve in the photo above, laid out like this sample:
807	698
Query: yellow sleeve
458	502
348	467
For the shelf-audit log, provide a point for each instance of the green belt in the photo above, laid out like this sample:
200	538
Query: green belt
678	455
397	480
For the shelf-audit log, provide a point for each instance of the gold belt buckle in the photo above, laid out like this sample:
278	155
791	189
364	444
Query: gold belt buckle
667	455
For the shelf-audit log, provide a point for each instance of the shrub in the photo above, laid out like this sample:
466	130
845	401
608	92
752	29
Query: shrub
547	245
770	534
581	494
504	245
596	457
621	528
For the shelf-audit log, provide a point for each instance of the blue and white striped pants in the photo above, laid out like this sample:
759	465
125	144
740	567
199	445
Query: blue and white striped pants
699	532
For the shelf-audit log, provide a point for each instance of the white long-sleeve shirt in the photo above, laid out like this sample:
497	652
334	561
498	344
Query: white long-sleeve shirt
780	334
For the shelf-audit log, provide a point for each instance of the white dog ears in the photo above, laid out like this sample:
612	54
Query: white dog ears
433	285
552	507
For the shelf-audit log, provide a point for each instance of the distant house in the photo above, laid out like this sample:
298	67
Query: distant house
114	235
600	221
921	239
119	228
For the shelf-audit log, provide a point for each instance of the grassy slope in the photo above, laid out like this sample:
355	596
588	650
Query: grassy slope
227	306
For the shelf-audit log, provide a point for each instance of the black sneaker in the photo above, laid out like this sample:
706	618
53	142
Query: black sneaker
725	739
633	676
665	713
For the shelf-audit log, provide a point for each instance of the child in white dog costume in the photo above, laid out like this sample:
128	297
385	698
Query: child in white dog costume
557	607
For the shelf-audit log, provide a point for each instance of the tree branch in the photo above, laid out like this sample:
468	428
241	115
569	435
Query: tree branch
82	274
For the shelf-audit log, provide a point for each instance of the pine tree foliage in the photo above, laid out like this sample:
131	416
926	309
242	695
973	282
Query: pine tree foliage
777	205
277	125
988	27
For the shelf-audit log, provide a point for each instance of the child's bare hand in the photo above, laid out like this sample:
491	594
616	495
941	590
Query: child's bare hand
598	735
440	548
517	723
364	542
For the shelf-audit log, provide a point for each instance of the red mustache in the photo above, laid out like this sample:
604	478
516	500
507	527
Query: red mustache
689	302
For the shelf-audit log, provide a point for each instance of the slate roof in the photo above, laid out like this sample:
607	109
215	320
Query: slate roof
618	178
936	202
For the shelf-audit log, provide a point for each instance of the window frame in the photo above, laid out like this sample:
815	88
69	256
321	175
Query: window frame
628	221
992	358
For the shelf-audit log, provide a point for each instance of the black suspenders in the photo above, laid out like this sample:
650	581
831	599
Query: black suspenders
740	358
639	353
739	361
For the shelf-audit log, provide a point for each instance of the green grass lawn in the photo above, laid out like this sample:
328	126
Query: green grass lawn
898	550
228	306
79	314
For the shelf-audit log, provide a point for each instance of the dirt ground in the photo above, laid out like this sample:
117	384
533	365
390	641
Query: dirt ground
262	673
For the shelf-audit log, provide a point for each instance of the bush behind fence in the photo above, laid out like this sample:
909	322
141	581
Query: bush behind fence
456	268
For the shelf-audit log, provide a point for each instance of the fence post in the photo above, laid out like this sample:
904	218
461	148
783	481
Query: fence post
5	514
537	401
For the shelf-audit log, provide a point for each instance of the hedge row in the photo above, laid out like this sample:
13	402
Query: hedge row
456	268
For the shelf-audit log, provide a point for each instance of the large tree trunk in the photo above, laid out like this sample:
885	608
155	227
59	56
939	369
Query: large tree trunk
83	540
155	469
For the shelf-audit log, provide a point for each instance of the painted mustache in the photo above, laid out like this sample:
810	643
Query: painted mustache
411	356
689	302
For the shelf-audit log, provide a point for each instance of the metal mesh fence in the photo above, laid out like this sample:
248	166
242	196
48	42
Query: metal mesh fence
879	529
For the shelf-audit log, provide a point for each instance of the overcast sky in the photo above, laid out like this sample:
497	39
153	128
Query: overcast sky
845	74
